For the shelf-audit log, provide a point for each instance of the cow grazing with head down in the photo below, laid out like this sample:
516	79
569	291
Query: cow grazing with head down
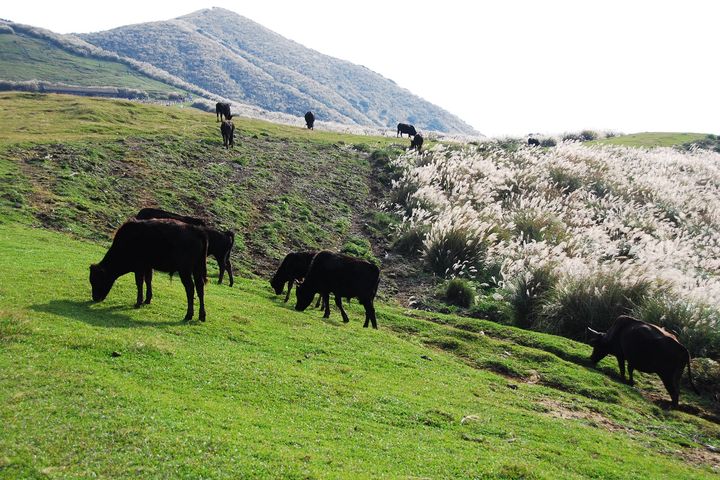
293	268
222	109
342	276
405	128
227	130
310	120
533	142
417	142
140	246
220	243
647	348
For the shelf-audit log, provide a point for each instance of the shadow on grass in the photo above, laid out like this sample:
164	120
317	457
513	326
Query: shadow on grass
100	317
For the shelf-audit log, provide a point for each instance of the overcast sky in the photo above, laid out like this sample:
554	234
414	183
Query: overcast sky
506	67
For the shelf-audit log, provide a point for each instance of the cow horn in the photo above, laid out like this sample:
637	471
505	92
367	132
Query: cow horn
595	332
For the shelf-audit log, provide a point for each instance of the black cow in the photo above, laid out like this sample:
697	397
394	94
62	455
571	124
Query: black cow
220	244
417	142
140	246
293	268
310	120
342	276
647	348
533	142
227	130
222	109
405	128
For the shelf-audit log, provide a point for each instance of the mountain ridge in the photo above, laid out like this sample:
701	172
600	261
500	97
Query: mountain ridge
237	58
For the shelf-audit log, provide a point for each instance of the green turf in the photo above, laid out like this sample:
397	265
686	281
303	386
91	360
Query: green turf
24	58
651	139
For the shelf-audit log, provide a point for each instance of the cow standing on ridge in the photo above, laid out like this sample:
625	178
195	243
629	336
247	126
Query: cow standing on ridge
310	120
220	243
222	109
405	128
140	246
342	276
417	142
647	348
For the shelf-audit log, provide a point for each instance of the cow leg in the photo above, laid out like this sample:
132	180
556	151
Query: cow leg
326	302
139	284
621	366
370	312
674	392
631	369
287	295
148	286
221	266
200	288
338	302
228	267
319	301
186	278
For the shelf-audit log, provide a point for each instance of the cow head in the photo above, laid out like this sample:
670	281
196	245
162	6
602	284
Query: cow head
277	282
597	340
304	295
101	282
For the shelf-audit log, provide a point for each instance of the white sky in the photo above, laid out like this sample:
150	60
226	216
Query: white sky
505	67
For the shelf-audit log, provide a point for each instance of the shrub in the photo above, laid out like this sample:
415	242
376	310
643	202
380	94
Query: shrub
572	137
596	302
533	226
459	292
548	142
455	252
360	248
588	135
706	376
410	242
528	294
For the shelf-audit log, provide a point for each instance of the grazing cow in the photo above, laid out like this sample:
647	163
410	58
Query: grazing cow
342	276
647	348
417	142
222	109
167	245
533	142
220	244
405	128
293	268
310	120
227	129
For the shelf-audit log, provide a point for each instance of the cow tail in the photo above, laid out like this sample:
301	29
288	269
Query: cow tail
690	375
203	264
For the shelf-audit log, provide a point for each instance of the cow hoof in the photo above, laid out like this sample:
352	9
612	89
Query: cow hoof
202	318
147	302
137	305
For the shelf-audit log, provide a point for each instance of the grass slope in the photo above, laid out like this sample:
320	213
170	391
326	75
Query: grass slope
83	165
260	390
652	139
23	58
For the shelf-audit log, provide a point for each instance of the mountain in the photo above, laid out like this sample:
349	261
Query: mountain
234	57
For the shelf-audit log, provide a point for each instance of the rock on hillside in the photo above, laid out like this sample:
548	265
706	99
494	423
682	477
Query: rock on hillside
237	58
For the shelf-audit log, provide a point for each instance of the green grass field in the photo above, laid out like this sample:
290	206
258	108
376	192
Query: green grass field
652	139
260	390
25	58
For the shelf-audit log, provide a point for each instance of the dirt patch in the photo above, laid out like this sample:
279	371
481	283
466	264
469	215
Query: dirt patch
564	410
700	457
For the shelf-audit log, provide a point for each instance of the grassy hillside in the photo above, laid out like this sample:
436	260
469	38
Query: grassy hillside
24	58
651	139
84	165
260	390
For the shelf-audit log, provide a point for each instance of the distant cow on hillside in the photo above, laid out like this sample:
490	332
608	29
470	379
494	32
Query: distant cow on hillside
417	142
342	276
310	120
405	128
222	110
227	130
533	142
140	246
647	348
220	244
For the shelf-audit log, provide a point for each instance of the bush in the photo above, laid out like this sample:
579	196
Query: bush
459	292
706	376
548	142
528	295
594	302
588	135
456	252
360	248
410	242
572	137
